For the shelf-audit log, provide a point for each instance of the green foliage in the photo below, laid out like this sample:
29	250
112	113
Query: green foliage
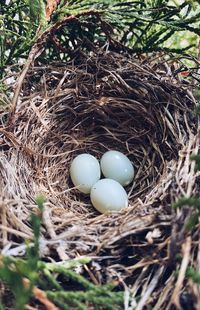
86	293
192	202
79	299
193	274
37	12
13	271
145	26
196	158
1	306
16	32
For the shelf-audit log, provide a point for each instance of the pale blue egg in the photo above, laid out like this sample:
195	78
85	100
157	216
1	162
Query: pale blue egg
117	166
108	195
85	172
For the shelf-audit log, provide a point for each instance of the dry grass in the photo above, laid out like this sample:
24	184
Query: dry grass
93	104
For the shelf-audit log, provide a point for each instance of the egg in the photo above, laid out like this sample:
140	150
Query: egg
108	195
117	166
85	172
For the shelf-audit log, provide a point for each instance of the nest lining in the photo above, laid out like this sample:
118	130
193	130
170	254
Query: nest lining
93	104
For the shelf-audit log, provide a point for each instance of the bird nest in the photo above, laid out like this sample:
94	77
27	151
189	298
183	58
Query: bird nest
97	102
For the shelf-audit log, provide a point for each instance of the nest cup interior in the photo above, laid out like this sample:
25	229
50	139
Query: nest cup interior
95	104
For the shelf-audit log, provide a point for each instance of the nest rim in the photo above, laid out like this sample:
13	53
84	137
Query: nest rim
141	109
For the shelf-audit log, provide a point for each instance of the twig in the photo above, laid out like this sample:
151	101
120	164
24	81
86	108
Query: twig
16	232
150	289
185	261
41	296
37	49
4	222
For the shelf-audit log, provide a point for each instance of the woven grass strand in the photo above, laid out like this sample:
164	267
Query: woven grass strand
96	102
